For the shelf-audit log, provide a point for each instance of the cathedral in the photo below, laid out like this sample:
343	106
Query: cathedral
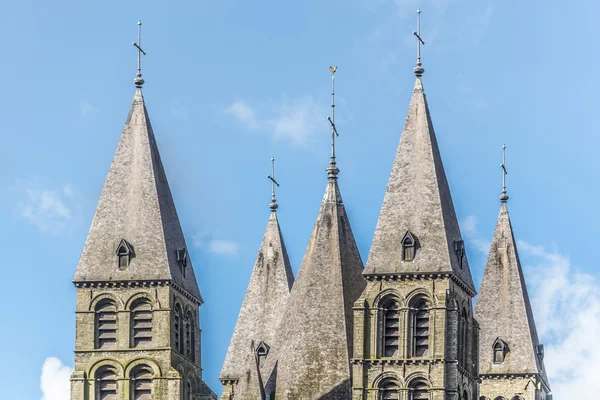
401	327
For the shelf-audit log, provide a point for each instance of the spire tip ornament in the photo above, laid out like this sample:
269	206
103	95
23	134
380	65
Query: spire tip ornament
333	170
504	196
419	67
139	81
273	206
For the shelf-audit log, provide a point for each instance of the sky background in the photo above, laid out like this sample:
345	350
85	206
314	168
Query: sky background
231	83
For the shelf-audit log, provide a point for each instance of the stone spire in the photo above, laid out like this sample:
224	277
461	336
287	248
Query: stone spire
136	214
418	205
504	312
260	315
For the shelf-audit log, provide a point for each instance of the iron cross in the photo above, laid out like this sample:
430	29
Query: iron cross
419	68
504	196
273	206
138	77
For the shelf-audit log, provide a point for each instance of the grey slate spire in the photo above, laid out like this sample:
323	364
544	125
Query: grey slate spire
504	312
418	201
260	315
136	206
315	336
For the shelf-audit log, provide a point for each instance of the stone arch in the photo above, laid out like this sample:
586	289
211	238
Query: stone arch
418	294
143	361
387	375
106	362
417	376
106	296
139	295
384	295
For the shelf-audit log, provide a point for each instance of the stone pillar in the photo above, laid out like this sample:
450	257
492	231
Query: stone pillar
78	386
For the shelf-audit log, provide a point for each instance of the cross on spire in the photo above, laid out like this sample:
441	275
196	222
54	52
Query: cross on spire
333	169
139	81
503	196
273	206
419	68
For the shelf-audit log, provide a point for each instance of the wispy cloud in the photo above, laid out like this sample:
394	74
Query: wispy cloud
205	242
294	120
52	210
178	110
55	380
566	305
473	96
86	110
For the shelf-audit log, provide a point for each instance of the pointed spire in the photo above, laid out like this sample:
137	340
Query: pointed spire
316	333
333	169
260	315
419	67
139	81
136	205
504	196
504	312
418	200
273	206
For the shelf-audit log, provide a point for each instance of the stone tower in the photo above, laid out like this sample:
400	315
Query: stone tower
246	368
511	358
137	329
414	332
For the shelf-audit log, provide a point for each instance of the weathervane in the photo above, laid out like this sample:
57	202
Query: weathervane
333	170
273	206
419	68
503	196
139	81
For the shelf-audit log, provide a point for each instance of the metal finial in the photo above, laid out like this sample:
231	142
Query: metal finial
503	195
419	68
333	169
139	81
273	206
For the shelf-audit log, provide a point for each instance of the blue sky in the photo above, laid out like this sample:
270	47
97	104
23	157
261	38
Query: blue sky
231	83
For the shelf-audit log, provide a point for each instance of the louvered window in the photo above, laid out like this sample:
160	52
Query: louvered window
192	337
389	391
106	325
188	337
463	340
419	391
141	323
141	383
420	336
106	384
391	329
177	328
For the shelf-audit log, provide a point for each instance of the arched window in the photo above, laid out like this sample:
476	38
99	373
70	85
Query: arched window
463	339
141	383
391	328
389	390
188	391
141	323
106	324
409	247
106	384
178	329
420	328
465	395
190	337
419	391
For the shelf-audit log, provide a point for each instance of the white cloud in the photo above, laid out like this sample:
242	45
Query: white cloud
52	210
178	110
205	242
566	305
55	380
295	120
244	113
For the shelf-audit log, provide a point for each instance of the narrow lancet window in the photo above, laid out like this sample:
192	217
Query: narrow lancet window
409	247
188	337
177	329
141	383
141	323
420	334
391	329
106	384
463	339
106	324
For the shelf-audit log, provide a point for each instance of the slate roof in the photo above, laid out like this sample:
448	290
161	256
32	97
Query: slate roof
315	335
261	313
418	200
503	309
136	205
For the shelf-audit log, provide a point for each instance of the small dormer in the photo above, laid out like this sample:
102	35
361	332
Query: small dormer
262	351
500	349
539	350
459	248
124	253
409	246
182	259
